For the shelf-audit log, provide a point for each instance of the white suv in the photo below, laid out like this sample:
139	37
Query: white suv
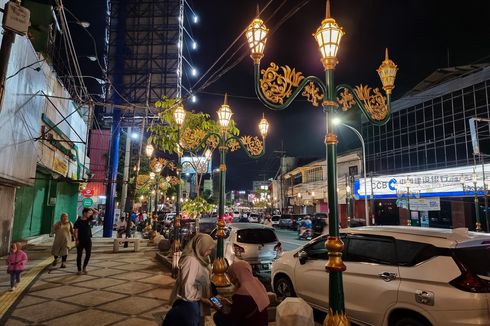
397	276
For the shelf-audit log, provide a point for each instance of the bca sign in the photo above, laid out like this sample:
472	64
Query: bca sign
16	18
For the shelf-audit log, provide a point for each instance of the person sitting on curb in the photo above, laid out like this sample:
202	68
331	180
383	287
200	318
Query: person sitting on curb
249	301
190	295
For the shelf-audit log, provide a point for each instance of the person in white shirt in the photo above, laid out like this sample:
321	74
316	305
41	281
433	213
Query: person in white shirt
121	227
190	295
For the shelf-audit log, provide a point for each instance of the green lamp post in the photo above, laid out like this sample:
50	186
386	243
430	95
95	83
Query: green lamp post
278	86
225	141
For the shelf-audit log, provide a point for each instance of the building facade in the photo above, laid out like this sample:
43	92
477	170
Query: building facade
429	135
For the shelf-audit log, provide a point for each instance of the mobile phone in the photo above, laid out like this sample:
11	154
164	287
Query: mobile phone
216	302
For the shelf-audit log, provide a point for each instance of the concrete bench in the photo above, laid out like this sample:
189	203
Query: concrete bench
119	241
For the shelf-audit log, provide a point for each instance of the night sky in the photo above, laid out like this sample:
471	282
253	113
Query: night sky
422	36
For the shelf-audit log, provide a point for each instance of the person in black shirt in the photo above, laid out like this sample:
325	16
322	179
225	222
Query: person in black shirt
83	237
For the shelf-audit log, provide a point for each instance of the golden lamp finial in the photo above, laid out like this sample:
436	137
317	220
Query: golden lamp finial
225	102
327	15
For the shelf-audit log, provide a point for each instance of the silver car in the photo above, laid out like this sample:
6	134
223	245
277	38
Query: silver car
255	243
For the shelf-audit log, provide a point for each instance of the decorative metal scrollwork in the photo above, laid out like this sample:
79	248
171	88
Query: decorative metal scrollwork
346	100
275	86
375	104
212	142
253	145
312	93
233	145
191	138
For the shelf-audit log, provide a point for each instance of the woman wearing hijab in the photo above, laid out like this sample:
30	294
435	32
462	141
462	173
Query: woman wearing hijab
63	233
193	286
249	300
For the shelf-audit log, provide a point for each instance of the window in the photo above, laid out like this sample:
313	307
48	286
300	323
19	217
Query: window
370	249
410	253
317	250
475	259
256	236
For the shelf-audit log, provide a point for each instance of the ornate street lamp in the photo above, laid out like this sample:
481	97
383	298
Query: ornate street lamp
348	201
179	116
278	86
226	141
149	150
474	178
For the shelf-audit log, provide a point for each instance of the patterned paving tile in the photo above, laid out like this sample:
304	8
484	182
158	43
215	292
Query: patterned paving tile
44	311
132	276
131	288
89	317
14	322
100	283
137	322
93	298
105	263
132	305
41	285
29	300
160	294
60	292
68	278
159	279
103	272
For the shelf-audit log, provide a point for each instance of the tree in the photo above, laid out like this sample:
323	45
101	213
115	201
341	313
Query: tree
164	135
197	206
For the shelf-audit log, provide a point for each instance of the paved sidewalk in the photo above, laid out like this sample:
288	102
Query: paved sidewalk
125	288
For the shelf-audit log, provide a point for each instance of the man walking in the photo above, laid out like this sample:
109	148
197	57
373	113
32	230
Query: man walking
83	237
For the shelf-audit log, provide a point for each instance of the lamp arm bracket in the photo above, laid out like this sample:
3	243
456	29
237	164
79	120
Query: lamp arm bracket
252	145
375	106
278	90
211	139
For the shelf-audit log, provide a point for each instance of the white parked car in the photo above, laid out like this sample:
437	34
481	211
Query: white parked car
255	243
397	276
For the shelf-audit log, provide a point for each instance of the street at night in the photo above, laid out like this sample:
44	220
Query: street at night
237	163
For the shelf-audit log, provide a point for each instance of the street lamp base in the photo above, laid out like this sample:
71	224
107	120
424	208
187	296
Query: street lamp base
336	319
219	277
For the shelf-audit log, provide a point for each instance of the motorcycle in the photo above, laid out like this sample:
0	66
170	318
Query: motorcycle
304	234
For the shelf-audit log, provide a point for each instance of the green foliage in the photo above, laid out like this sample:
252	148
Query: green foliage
164	135
196	206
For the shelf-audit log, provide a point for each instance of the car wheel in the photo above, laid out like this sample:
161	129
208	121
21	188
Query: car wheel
410	321
284	288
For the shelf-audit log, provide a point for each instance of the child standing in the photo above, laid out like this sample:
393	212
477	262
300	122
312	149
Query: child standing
16	263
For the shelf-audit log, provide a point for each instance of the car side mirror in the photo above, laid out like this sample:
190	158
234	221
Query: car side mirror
303	257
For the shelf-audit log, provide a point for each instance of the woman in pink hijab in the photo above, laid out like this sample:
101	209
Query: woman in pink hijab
249	300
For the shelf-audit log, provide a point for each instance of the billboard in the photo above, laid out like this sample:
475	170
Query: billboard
452	182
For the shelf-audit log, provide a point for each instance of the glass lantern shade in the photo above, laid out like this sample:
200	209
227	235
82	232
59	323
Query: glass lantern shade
208	154
179	115
328	37
387	73
263	126
224	115
256	35
149	150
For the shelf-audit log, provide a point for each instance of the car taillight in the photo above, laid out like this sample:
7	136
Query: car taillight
278	249
468	281
238	250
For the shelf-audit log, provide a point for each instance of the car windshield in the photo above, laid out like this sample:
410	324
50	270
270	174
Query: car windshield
256	236
476	259
276	218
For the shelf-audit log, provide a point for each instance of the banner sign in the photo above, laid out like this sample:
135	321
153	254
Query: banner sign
421	204
452	182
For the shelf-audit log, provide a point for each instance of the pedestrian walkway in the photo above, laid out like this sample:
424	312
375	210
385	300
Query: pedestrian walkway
125	288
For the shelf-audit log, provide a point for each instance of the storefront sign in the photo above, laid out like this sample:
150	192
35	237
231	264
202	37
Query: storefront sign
60	164
87	192
87	202
453	182
17	18
421	204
